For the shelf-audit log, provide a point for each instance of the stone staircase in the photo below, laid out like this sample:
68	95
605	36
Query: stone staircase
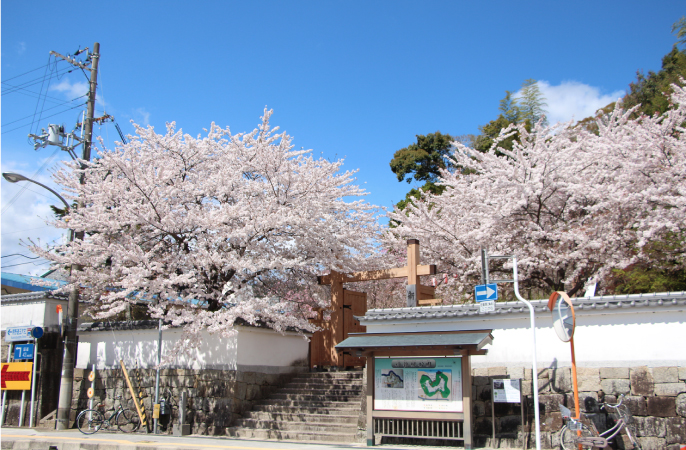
319	406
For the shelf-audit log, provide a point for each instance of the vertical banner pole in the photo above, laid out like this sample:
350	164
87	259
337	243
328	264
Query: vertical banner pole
90	400
21	408
33	382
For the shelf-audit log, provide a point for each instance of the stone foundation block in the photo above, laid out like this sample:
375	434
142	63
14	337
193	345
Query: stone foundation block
615	386
651	426
588	378
661	406
676	430
682	373
516	372
497	372
561	380
642	382
480	381
651	443
670	389
637	405
681	405
614	372
479	409
665	374
480	372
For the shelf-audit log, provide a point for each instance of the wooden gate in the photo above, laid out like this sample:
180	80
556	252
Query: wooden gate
323	342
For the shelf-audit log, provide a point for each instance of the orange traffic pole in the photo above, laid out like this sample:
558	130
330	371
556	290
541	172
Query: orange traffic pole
574	381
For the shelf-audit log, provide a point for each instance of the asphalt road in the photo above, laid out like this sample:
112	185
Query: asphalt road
27	438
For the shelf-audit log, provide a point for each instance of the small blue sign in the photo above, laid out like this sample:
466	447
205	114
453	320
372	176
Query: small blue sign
486	292
23	351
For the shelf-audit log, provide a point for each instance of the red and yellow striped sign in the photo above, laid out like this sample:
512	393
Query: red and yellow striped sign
16	376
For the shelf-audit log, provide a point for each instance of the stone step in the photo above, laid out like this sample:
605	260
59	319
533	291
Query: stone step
315	398
329	375
324	382
318	427
251	433
323	392
308	409
303	417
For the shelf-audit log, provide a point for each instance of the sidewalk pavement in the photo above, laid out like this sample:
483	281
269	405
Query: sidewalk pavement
29	439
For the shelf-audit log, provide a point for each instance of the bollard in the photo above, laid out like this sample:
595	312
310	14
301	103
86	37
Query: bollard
182	428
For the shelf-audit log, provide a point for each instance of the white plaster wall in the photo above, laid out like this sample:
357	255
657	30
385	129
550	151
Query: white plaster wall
608	338
106	348
248	347
41	313
263	347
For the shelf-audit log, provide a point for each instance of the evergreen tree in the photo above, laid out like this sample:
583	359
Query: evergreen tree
531	103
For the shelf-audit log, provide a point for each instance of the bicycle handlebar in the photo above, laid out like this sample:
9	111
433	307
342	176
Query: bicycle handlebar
616	405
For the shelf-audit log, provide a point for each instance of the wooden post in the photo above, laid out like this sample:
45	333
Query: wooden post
412	276
370	400
467	399
336	316
133	395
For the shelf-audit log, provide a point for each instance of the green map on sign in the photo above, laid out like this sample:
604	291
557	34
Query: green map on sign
438	385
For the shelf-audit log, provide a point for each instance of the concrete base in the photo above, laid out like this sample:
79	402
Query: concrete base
181	430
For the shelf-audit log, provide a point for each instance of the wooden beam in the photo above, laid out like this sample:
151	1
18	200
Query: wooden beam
370	401
384	274
467	401
412	261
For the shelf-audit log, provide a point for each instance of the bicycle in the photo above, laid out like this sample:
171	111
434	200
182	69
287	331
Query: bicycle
575	434
90	421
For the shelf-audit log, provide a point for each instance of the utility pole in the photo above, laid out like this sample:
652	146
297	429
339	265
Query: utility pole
69	358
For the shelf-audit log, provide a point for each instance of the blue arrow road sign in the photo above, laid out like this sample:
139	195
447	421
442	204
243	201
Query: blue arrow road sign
23	351
486	292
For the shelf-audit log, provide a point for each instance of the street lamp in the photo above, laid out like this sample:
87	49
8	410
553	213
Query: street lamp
15	177
68	359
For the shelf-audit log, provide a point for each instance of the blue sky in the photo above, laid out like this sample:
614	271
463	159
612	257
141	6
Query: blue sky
346	79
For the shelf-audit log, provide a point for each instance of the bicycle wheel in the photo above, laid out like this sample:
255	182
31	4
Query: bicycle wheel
568	436
128	421
89	421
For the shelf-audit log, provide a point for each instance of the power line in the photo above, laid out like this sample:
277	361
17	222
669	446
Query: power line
53	107
47	117
23	231
13	88
29	262
19	254
22	74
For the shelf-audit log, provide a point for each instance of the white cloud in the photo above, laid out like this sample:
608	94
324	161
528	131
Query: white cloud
142	117
72	90
21	47
24	218
571	100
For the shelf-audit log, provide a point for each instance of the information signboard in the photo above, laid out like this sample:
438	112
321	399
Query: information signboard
16	376
18	334
418	384
507	391
23	351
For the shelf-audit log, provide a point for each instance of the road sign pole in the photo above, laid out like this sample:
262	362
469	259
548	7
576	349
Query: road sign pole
33	381
484	266
534	376
4	394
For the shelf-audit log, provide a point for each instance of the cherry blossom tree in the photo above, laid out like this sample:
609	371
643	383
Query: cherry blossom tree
572	204
213	229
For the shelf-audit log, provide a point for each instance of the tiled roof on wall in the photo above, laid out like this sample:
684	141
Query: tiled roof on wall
652	300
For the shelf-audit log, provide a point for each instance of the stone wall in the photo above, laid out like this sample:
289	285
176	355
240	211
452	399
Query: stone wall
215	397
656	397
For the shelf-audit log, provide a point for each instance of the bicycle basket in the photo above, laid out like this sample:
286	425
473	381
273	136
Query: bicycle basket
625	413
566	412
